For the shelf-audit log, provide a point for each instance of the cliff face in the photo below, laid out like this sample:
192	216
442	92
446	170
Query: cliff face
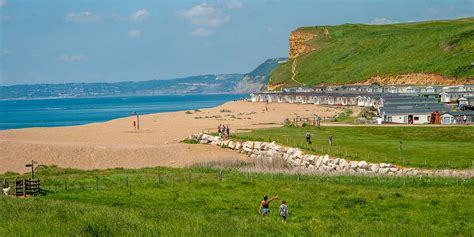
298	44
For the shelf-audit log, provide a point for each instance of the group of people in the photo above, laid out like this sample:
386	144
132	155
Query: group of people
224	131
461	120
264	209
308	138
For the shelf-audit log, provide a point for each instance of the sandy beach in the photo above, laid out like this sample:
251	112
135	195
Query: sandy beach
115	144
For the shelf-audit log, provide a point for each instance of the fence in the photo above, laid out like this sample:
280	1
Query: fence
24	187
299	121
136	182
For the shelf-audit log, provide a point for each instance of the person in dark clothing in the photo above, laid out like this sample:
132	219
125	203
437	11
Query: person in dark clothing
264	209
308	137
227	131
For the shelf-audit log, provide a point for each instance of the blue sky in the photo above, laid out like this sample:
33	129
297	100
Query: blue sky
57	41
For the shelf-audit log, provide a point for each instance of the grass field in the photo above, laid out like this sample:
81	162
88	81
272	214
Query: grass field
428	147
196	202
356	52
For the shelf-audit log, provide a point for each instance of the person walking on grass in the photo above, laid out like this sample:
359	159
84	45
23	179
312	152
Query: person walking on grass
330	139
308	137
264	205
283	211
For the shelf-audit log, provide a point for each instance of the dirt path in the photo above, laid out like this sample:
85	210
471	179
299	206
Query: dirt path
293	71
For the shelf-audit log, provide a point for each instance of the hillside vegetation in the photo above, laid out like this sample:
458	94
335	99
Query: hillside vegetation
353	53
196	202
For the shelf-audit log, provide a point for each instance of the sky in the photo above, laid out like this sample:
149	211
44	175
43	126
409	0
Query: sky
62	41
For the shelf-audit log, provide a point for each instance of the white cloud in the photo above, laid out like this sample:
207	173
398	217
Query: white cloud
381	21
72	58
133	33
207	18
2	3
140	15
234	5
202	32
81	17
204	15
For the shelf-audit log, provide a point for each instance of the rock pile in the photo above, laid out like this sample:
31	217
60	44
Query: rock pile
294	157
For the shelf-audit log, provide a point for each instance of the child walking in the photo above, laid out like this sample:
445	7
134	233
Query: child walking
283	211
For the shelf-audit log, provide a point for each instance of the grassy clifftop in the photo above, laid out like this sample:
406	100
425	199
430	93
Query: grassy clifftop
353	53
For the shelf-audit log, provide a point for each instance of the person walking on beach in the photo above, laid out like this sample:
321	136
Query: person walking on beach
219	130
283	211
264	209
330	139
227	131
308	137
134	125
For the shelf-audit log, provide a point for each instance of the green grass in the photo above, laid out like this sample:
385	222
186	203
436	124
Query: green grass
428	147
356	52
207	206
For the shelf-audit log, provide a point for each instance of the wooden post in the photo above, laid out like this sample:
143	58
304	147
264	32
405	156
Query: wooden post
126	181
97	183
24	188
65	184
159	178
189	177
248	175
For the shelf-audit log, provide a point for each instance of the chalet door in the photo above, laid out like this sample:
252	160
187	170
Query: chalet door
410	119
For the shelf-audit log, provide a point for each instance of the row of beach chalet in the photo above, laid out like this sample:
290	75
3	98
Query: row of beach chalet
395	104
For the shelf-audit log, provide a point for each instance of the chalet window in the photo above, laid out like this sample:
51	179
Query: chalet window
416	118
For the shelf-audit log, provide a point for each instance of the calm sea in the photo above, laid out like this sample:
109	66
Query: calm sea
76	111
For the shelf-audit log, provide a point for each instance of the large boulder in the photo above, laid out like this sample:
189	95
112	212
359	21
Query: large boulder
383	170
238	145
343	164
374	168
326	160
319	161
354	164
257	145
362	165
248	144
206	137
231	145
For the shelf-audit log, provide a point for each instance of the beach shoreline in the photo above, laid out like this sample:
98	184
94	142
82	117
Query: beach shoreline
115	143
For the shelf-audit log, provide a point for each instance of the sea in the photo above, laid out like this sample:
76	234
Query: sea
76	111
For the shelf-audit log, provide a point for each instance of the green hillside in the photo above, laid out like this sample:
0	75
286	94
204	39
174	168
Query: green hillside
200	202
354	52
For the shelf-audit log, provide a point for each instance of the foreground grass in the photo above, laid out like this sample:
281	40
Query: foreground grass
355	52
428	147
208	206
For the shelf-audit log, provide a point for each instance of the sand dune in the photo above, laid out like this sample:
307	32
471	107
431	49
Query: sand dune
115	143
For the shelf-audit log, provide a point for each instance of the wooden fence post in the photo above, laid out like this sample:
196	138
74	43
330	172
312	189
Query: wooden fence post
96	183
126	181
189	177
24	188
65	184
